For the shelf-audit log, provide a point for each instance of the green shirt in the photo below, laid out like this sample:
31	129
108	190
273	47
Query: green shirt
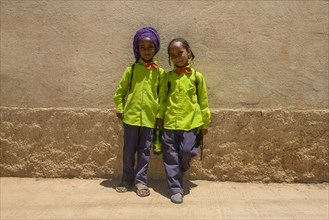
180	106
140	104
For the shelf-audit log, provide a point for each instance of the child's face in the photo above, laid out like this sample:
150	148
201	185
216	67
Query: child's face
146	49
178	54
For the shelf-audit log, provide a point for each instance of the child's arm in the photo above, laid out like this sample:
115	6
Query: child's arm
163	93
120	94
203	103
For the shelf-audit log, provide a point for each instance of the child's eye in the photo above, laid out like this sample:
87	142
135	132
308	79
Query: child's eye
147	48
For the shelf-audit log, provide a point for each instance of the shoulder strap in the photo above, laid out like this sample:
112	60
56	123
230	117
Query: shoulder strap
168	83
158	75
131	77
196	82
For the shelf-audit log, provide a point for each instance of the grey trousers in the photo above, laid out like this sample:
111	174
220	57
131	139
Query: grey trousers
178	147
136	139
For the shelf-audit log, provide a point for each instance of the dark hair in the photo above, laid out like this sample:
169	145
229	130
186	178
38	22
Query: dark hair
185	45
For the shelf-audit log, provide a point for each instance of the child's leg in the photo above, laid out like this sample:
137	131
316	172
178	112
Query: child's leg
143	152
129	149
187	149
171	161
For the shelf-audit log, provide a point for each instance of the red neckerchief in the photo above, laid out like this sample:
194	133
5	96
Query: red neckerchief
183	70
148	65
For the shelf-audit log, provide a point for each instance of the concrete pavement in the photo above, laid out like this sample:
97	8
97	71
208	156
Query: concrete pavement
28	198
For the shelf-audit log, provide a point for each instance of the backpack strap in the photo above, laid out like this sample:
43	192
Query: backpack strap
131	77
158	89
168	84
196	82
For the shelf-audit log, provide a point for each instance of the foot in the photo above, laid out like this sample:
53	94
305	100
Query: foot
122	187
177	198
142	190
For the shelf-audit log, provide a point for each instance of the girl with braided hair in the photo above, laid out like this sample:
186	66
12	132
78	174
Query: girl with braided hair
183	113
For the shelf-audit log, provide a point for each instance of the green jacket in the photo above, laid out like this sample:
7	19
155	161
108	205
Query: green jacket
140	104
180	106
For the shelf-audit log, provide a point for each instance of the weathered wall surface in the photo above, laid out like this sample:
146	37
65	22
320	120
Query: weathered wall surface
269	146
254	54
62	60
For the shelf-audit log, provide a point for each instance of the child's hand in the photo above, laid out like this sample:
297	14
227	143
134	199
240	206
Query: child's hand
159	123
204	132
119	115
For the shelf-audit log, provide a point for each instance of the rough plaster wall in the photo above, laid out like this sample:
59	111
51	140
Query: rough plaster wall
254	54
269	146
61	62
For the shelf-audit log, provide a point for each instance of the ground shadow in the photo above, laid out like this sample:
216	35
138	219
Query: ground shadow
110	183
161	187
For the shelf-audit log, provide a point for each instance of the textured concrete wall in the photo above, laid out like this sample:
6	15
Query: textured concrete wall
61	62
254	54
254	145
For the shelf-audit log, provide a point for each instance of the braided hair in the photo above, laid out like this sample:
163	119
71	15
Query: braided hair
185	45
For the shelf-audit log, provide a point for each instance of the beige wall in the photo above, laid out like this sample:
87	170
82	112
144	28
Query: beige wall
254	54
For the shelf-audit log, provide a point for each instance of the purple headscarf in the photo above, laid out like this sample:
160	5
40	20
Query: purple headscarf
146	32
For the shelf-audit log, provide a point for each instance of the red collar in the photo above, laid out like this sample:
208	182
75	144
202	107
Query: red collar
148	65
183	70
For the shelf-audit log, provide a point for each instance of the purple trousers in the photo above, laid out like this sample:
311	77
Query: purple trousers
136	139
178	147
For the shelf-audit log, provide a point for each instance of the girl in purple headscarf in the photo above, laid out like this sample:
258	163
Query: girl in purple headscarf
136	100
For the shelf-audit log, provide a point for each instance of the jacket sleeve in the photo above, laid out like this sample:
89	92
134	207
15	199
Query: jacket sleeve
121	92
203	100
163	93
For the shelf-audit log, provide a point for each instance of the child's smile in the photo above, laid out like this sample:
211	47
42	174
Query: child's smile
178	54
